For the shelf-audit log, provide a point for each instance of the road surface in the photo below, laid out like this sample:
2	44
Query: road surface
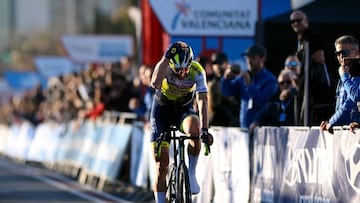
26	183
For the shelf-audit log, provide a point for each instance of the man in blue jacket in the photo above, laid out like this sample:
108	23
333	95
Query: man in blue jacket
346	110
255	87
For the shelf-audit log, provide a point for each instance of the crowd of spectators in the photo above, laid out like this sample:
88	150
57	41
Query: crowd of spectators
117	87
112	87
125	87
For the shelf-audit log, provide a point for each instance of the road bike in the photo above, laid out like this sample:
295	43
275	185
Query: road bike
178	182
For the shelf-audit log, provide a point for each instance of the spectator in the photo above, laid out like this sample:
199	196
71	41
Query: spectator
281	110
346	110
320	94
95	107
127	69
219	62
255	87
206	63
149	94
219	115
292	63
141	102
351	87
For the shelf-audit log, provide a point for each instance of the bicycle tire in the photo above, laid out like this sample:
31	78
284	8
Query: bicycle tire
171	185
183	185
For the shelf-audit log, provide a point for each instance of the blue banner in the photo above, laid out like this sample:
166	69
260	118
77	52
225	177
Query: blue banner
308	169
22	80
269	154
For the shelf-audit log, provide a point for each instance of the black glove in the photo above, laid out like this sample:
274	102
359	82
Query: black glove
172	50
206	137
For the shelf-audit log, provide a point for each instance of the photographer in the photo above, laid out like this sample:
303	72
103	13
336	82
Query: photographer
346	110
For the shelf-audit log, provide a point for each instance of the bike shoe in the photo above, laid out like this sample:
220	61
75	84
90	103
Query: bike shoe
194	185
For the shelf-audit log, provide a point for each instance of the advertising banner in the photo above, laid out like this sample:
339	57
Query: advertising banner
22	80
207	18
230	165
97	48
44	145
308	171
346	180
268	162
50	66
111	150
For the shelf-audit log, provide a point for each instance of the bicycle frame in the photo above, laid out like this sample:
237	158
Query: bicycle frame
179	183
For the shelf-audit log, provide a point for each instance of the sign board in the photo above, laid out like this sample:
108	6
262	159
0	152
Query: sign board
97	48
23	80
207	17
50	66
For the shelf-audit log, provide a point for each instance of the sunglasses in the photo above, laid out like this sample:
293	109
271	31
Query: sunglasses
288	82
296	20
291	64
344	52
182	70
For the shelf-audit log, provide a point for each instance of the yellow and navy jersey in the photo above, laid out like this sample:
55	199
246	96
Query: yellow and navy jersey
182	91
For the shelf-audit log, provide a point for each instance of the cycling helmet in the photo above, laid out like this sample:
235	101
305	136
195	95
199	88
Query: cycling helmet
181	55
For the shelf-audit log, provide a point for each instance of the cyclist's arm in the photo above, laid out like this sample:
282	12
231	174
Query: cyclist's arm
201	99
159	73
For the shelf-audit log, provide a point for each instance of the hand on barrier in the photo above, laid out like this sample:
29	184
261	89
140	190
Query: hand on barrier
353	126
207	139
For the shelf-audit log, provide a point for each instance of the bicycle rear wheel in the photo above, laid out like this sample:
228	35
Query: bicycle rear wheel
183	185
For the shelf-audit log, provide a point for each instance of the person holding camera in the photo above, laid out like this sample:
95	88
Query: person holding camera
254	88
346	110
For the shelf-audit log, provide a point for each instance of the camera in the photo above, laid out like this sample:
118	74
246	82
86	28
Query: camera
235	68
354	64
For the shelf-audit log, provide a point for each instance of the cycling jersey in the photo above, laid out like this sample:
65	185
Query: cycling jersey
181	91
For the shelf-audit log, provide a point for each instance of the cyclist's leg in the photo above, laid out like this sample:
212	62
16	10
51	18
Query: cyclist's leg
162	163
190	126
159	124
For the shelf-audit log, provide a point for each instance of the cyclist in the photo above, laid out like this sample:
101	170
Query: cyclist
178	79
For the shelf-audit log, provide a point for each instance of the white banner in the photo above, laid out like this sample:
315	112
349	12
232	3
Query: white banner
231	165
44	146
97	48
204	17
50	66
19	140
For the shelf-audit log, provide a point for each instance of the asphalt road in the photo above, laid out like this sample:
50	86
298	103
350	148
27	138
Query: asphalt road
26	183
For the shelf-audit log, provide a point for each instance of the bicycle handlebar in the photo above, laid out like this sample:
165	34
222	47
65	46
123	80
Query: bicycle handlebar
207	149
182	138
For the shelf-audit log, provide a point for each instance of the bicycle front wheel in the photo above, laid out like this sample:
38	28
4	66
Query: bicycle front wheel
171	185
183	185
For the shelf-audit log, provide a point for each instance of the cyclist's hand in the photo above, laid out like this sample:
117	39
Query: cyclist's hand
171	51
206	137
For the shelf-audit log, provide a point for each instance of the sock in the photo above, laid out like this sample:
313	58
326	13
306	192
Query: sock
195	187
192	164
160	197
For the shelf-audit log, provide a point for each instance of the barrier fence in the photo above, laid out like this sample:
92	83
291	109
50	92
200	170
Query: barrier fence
288	164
